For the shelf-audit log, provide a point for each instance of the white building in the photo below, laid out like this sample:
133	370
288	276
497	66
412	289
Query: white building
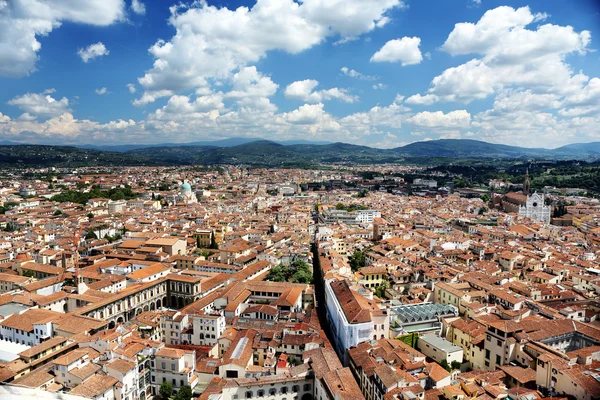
352	317
125	372
536	209
367	216
206	329
30	327
440	349
178	367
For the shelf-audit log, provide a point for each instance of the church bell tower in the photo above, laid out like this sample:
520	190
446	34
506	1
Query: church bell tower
526	183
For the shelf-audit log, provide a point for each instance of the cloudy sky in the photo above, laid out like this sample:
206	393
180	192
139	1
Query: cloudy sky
377	72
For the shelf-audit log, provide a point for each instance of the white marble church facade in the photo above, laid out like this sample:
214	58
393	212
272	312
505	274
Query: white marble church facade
536	209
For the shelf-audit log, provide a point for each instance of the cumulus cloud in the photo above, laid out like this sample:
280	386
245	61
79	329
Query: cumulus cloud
248	82
452	119
205	48
101	91
405	50
42	104
426	100
23	22
510	55
138	7
93	51
379	86
131	88
304	90
352	73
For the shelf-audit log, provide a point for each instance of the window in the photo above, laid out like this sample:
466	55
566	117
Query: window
272	392
487	354
295	388
284	390
306	387
164	365
499	342
498	359
172	367
260	393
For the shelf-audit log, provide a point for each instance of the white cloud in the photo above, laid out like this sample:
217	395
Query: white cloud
4	118
453	119
181	108
22	22
511	99
355	74
304	90
131	88
93	51
349	18
248	82
138	7
306	114
42	104
511	55
405	50
205	48
101	91
589	95
151	96
27	117
426	100
379	86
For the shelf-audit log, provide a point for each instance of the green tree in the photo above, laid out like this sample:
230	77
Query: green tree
57	212
380	290
185	393
445	365
455	365
302	273
10	204
357	260
166	390
90	215
91	235
276	274
9	228
213	241
28	274
486	198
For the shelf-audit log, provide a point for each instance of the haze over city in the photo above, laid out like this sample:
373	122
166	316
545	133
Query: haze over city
382	73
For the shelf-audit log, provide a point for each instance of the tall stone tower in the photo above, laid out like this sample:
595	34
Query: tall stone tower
526	183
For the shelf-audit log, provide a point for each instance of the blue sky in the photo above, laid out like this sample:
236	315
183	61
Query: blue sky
381	72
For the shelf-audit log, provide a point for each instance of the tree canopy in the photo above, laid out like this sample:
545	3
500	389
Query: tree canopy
357	260
166	390
296	272
78	197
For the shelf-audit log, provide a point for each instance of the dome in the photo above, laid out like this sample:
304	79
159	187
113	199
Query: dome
186	187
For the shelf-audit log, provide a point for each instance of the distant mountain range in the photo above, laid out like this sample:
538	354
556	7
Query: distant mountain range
272	154
231	142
